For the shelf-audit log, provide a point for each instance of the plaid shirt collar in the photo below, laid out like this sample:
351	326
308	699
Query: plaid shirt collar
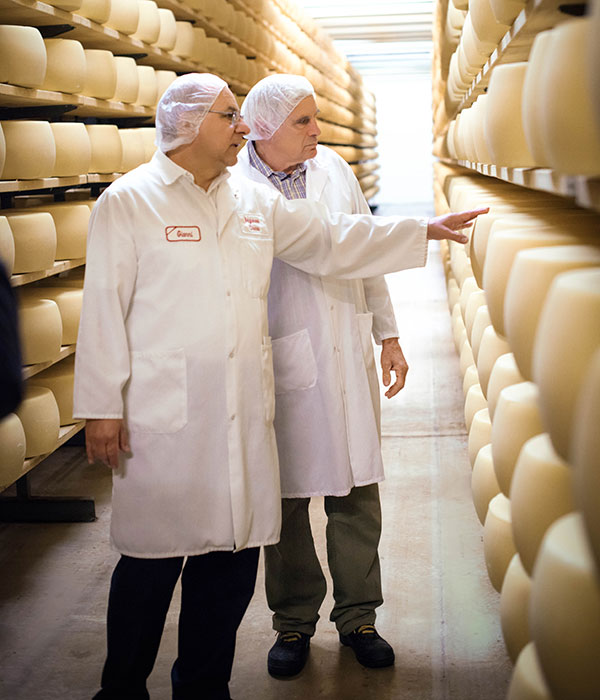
277	178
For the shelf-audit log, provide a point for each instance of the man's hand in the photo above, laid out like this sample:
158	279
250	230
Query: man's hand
446	226
392	360
103	440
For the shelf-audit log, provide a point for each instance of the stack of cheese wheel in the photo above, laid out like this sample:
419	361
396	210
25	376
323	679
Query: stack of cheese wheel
532	273
34	236
570	131
12	449
66	66
585	451
71	222
564	612
107	150
498	543
527	681
73	149
7	246
504	134
59	379
514	608
30	150
22	56
571	310
39	415
516	420
541	492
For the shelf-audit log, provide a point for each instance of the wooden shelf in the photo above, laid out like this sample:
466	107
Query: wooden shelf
66	432
59	266
45	183
585	191
515	45
31	370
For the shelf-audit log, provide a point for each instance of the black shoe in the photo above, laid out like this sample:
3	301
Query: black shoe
289	653
370	649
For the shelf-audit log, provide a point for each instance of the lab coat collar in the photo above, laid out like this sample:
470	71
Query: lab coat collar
170	172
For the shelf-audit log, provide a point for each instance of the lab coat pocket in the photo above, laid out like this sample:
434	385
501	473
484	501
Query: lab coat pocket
268	381
294	362
255	254
156	398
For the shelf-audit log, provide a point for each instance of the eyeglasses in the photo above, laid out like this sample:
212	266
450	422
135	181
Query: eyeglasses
234	116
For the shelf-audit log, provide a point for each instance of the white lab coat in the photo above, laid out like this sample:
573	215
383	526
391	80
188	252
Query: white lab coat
326	385
174	339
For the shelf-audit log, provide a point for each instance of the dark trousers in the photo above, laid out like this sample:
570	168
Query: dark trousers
216	589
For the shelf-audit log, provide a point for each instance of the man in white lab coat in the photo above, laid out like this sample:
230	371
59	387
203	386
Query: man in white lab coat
174	377
327	398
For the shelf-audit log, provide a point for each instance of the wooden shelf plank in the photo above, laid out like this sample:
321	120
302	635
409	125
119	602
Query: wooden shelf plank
66	432
31	370
59	266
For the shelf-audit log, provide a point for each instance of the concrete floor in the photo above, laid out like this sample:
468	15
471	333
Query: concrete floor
441	613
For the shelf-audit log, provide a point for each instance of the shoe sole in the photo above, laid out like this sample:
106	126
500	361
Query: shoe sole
383	663
284	671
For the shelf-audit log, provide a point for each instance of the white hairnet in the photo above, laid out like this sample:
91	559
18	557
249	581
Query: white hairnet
270	101
183	106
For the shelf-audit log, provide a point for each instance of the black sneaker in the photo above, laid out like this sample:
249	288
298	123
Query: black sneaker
289	653
370	649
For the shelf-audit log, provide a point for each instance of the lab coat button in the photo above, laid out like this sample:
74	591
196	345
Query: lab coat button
232	353
232	417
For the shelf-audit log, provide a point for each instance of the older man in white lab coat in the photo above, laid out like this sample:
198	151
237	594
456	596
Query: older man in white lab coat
327	398
174	377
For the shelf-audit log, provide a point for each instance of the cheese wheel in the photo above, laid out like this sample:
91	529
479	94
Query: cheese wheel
453	293
469	286
532	105
184	39
585	451
458	326
474	401
73	149
199	46
503	126
68	300
492	346
30	150
163	79
480	433
485	24
100	75
460	264
516	420
484	485
66	5
148	28
504	373
503	246
124	16
71	223
96	10
65	67
12	449
128	80
148	134
527	681
133	149
59	379
593	59
475	302
571	312
481	321
168	30
571	134
148	86
476	52
7	246
541	492
470	377
481	148
532	273
34	237
466	354
565	610
514	608
40	330
107	151
498	543
22	56
38	413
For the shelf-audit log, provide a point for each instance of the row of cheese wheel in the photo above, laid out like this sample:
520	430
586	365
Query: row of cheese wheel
533	444
537	113
30	150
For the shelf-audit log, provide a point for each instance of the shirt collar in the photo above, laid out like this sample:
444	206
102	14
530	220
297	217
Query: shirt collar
257	162
170	171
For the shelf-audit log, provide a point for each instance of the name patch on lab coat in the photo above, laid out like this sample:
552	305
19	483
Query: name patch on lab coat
175	234
254	226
